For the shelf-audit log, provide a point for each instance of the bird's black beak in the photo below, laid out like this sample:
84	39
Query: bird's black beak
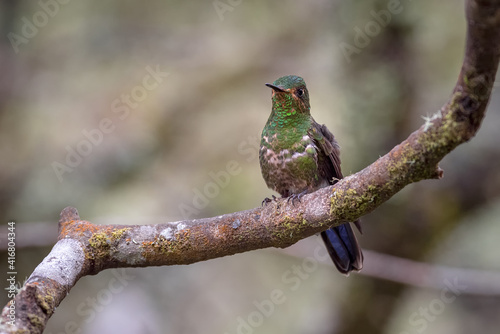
276	88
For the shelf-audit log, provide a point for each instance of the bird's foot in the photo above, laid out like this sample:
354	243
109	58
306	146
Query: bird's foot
268	200
296	197
335	180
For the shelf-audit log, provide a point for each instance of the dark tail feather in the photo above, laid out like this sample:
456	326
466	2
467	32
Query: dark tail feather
343	248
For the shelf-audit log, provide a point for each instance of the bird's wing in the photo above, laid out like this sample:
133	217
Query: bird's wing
329	155
340	240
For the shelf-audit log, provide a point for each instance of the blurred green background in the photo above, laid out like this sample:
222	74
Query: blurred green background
68	67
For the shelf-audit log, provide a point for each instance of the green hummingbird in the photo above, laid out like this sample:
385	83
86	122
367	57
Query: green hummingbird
298	156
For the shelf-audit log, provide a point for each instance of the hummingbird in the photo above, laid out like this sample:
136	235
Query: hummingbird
298	156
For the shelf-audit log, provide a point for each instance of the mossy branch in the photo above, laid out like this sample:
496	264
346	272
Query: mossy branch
86	249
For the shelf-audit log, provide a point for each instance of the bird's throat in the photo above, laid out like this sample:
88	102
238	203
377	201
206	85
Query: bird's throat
284	128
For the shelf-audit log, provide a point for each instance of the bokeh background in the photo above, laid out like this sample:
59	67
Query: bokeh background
66	67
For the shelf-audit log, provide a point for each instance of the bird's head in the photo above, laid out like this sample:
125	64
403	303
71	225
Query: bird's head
290	93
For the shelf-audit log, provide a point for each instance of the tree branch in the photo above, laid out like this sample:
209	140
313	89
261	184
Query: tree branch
430	276
86	249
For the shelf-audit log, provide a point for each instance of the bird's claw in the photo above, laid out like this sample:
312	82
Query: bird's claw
296	197
268	200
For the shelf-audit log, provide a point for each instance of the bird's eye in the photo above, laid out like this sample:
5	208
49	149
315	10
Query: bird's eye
300	92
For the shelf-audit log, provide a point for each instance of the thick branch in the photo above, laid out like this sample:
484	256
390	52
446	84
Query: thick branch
86	249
